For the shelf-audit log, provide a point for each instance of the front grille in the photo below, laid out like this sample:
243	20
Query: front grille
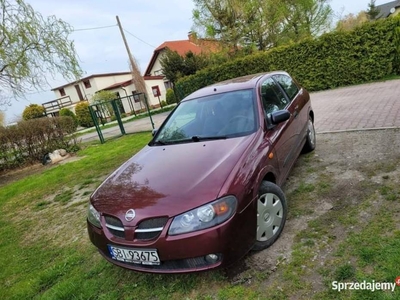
115	226
147	235
153	223
150	229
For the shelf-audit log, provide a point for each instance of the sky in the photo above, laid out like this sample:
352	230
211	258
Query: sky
147	25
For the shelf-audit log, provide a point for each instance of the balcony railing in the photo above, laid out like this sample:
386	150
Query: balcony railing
56	105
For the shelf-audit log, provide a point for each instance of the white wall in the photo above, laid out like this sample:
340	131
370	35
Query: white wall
153	82
97	83
157	65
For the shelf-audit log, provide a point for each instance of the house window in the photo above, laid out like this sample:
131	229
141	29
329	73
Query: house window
62	92
87	84
158	72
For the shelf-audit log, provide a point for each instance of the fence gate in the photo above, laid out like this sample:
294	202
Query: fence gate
111	110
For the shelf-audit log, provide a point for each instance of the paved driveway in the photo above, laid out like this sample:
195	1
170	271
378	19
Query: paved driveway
366	106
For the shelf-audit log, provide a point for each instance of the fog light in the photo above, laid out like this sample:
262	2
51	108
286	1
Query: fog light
211	258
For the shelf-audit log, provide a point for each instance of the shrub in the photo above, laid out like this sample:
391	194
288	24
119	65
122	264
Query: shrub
368	53
30	140
83	114
65	112
170	97
33	111
164	103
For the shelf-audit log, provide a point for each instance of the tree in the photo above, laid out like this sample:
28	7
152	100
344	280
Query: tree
83	114
351	21
33	111
372	10
170	97
261	23
172	65
32	47
65	112
305	18
103	96
175	66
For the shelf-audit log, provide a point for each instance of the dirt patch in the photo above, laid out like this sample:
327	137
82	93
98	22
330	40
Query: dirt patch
331	193
7	177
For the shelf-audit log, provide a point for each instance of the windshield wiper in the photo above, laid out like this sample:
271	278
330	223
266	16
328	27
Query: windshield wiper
160	142
194	138
197	138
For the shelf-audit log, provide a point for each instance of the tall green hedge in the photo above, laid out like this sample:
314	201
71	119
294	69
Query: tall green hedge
339	58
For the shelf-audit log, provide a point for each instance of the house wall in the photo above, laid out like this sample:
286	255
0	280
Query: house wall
97	83
156	70
128	103
155	82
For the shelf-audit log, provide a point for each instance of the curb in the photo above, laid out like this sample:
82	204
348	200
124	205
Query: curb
359	129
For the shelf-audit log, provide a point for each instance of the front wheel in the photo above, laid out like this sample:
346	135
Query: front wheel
310	138
271	214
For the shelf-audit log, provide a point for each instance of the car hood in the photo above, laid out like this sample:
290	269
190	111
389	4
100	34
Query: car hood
169	180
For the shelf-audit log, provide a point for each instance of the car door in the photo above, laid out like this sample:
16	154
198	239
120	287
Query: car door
282	136
294	95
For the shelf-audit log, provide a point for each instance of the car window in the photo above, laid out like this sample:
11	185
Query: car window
272	97
289	86
223	115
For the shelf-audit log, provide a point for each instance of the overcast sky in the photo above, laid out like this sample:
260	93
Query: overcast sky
148	24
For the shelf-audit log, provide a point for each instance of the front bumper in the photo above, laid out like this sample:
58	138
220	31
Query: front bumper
186	252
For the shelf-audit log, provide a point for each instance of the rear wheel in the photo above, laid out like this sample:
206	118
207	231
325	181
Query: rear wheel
271	214
310	138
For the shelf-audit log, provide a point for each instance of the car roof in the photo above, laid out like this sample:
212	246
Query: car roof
234	84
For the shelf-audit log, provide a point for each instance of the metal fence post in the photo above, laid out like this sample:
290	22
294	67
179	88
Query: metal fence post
96	124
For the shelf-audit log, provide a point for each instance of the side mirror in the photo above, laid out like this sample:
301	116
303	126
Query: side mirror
280	116
153	132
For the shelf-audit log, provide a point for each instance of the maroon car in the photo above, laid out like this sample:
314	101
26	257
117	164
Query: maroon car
206	189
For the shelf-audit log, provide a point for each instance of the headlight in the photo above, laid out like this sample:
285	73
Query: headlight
205	216
93	216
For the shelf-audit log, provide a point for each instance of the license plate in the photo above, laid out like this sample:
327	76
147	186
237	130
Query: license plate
136	256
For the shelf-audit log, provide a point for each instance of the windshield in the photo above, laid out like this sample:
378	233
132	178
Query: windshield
223	115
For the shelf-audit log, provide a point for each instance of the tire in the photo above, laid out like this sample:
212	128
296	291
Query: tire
271	215
311	140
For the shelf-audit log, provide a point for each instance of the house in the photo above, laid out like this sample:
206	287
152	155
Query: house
388	9
121	83
192	44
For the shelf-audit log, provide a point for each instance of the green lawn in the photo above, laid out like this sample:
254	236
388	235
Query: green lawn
45	252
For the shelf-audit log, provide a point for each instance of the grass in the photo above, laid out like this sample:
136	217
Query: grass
45	252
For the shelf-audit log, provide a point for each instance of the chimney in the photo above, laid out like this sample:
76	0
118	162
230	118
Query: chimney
192	37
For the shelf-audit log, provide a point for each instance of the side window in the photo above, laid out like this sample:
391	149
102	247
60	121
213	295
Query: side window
272	97
289	86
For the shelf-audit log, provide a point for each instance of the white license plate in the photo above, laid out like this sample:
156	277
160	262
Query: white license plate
132	255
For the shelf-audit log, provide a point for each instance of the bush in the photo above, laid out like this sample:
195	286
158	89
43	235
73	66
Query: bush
30	140
164	103
65	112
33	111
83	114
170	97
368	53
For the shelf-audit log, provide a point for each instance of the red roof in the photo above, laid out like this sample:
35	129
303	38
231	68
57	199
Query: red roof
119	84
182	47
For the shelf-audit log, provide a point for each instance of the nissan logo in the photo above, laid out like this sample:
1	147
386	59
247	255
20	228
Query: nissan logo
130	215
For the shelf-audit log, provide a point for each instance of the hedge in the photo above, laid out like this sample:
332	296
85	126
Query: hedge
335	59
29	141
